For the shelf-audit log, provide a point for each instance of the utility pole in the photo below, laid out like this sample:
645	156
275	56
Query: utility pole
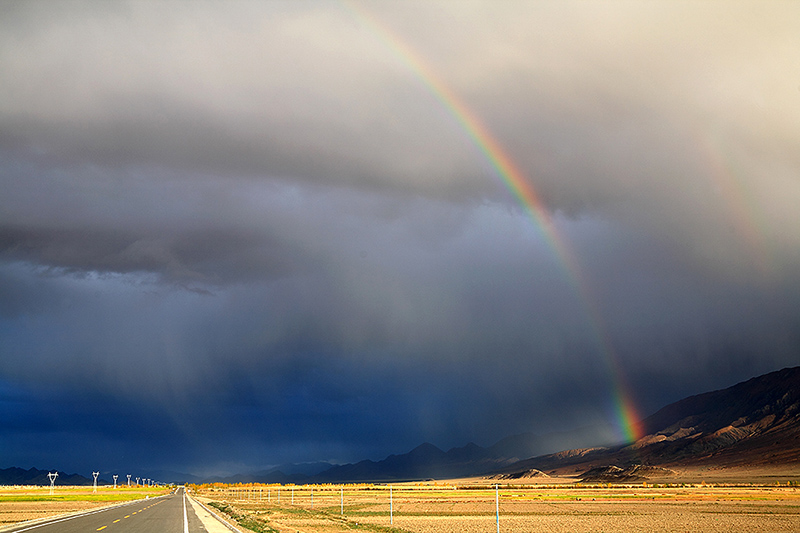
52	476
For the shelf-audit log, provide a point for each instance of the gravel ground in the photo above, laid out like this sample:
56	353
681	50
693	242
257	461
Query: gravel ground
12	512
534	509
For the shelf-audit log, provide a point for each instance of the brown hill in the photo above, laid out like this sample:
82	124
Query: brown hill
753	423
524	474
615	474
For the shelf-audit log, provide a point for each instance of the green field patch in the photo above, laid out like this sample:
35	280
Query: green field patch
244	519
70	497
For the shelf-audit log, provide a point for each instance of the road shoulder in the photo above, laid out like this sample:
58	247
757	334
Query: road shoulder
209	520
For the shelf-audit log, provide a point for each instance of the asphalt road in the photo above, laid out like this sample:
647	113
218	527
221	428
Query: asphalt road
165	514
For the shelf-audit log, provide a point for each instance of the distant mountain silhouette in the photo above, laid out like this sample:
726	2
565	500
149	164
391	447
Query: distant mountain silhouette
168	476
756	422
423	462
753	423
32	476
428	461
287	473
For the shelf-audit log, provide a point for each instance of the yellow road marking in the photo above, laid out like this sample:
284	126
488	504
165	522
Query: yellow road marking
117	520
102	527
127	516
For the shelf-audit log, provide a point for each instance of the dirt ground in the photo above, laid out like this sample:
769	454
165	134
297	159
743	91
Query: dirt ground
555	507
12	512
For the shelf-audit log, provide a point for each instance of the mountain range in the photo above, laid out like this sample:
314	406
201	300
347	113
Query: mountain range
753	423
33	476
423	462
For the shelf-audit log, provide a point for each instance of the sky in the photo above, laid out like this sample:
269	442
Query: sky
239	234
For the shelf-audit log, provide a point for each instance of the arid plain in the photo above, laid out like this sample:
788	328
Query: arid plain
694	500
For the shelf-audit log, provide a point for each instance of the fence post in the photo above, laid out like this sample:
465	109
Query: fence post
497	506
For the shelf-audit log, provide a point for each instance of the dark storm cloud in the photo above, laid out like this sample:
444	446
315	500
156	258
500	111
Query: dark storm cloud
255	231
207	255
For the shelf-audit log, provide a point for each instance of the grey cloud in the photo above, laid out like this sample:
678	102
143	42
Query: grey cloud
263	216
252	104
313	94
209	256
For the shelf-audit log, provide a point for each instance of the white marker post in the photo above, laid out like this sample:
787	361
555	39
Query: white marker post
497	506
292	495
341	501
94	485
129	481
312	497
115	476
391	507
137	480
52	476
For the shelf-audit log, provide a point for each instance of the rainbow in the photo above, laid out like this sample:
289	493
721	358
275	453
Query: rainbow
520	187
733	191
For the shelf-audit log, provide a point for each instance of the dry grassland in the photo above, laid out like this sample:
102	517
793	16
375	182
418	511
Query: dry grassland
428	508
21	503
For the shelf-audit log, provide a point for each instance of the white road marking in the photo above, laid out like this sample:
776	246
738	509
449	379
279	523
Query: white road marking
185	519
216	523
